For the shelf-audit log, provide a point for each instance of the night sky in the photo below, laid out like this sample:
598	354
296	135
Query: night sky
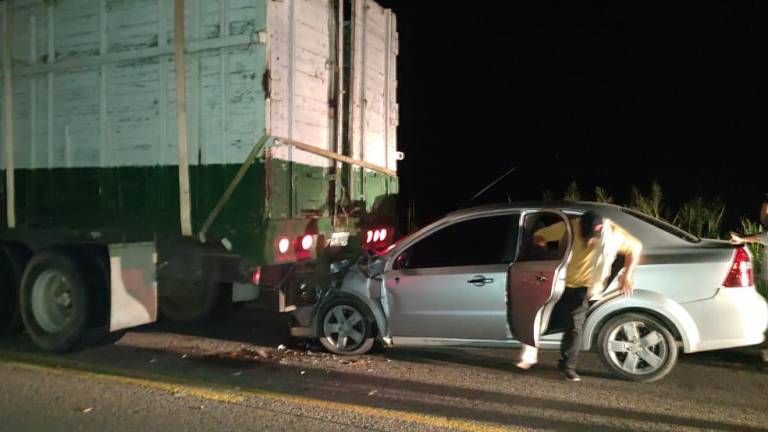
613	94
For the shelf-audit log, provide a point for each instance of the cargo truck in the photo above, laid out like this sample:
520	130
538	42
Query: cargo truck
182	157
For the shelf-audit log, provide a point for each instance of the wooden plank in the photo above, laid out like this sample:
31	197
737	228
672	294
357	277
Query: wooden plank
32	93
181	118
139	54
339	90
8	113
162	74
232	186
334	156
224	59
51	58
363	95
105	148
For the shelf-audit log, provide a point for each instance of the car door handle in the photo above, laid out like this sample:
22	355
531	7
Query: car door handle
541	278
480	280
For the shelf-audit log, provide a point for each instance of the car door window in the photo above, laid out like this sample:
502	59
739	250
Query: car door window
480	241
543	239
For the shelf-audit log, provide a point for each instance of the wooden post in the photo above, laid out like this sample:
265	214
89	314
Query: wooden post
10	198
181	118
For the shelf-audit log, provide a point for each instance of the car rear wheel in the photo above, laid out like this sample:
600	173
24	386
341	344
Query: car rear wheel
637	347
345	327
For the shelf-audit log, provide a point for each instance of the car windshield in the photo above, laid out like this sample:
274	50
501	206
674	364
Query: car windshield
662	225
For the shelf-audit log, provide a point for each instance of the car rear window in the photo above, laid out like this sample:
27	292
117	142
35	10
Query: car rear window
677	232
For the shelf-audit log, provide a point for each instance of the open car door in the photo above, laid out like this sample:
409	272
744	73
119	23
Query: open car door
536	279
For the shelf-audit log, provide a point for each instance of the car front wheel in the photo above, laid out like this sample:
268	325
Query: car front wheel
637	347
345	327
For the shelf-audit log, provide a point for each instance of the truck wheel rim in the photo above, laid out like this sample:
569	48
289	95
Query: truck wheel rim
344	328
637	348
52	301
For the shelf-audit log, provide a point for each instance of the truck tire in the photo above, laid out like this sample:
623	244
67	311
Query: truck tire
58	296
196	302
637	347
345	327
11	269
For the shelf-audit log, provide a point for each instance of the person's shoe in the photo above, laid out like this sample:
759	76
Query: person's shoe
524	365
571	375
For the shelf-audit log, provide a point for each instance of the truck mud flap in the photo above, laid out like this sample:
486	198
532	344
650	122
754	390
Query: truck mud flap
133	285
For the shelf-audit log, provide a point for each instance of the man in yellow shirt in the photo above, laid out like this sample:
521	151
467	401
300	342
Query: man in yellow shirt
596	243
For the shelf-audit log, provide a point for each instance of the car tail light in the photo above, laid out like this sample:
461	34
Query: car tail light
383	235
369	236
740	272
283	245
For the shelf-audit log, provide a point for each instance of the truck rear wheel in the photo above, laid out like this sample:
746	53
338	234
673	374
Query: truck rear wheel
11	269
195	302
57	300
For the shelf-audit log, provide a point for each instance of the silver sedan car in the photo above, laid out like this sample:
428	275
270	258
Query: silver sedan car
447	285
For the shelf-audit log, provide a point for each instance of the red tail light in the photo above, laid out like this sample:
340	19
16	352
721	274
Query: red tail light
283	244
256	276
306	242
377	239
740	272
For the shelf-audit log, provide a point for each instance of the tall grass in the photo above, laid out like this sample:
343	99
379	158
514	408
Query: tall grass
572	193
651	204
602	196
700	217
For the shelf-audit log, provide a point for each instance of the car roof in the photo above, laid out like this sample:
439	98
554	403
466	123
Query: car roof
565	205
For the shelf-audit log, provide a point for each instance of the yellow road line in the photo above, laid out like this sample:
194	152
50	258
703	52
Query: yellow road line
173	388
231	395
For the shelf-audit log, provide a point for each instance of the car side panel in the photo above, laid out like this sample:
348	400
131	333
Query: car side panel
683	274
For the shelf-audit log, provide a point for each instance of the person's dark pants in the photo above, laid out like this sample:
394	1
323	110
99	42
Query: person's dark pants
574	303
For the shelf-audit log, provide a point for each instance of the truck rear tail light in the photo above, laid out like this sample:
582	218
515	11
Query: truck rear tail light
375	236
283	245
740	273
378	238
256	276
306	242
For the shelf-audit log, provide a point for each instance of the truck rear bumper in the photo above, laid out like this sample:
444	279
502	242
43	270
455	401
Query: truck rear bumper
304	332
303	322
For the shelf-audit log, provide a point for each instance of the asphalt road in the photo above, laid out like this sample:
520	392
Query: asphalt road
236	376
